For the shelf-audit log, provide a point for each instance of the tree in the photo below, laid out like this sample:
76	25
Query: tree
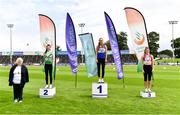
122	41
177	53
153	38
176	47
166	52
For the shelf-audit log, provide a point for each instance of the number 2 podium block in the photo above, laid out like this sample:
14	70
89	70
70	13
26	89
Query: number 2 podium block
47	93
99	90
147	94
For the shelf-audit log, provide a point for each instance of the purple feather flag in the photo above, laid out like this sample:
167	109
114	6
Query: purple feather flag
71	44
114	45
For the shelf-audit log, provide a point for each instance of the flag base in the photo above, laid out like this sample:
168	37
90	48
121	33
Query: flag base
99	90
147	94
47	93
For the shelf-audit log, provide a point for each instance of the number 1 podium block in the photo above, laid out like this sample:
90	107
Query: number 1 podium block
47	92
99	90
147	94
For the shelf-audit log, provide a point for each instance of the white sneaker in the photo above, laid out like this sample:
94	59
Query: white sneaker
99	81
149	90
15	101
146	90
20	101
50	86
102	81
46	86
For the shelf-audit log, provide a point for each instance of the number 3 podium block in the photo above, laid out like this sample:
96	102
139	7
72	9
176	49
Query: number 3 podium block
47	93
99	90
147	94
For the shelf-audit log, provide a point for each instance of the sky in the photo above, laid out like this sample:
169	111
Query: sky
26	31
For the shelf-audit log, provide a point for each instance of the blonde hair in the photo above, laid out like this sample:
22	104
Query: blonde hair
19	61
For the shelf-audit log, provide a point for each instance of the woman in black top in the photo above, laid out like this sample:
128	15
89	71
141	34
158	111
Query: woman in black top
18	77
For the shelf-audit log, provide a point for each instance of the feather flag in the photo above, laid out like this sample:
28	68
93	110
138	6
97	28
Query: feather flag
71	44
48	36
90	54
114	45
137	26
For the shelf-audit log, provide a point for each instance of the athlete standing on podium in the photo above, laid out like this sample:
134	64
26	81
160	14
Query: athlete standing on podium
48	66
101	58
148	65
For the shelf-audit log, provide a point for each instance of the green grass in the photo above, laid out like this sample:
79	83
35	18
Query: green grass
70	100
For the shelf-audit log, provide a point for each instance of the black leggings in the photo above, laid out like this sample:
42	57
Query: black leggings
18	91
101	62
147	72
48	68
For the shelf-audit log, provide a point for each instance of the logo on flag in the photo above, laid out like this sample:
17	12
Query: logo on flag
139	40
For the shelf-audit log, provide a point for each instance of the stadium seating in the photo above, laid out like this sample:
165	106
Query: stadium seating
32	59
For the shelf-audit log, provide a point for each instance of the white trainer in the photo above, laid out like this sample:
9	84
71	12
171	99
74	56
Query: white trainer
15	101
149	90
99	81
146	90
20	101
50	86
46	86
102	81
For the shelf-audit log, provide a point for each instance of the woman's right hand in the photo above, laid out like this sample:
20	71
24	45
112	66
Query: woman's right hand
10	83
142	70
97	60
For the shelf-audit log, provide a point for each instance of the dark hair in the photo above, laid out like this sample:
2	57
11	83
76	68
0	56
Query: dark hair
145	49
45	51
46	48
99	42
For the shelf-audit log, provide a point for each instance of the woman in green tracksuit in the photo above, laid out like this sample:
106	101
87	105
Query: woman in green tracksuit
48	64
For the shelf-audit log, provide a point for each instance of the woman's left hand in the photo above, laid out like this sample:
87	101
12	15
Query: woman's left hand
152	69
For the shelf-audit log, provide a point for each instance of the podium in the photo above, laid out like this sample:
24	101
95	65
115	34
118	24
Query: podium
99	90
147	94
47	92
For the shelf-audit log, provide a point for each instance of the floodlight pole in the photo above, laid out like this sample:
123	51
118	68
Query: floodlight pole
81	25
10	26
172	23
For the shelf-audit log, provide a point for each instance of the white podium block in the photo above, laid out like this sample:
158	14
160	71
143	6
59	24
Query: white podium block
99	90
147	94
47	93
